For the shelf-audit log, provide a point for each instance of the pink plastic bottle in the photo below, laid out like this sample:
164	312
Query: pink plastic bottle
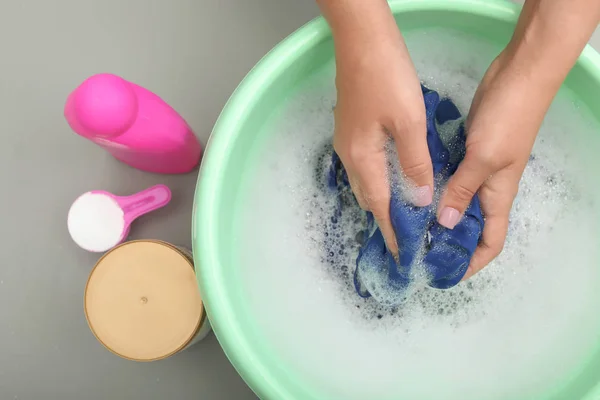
133	124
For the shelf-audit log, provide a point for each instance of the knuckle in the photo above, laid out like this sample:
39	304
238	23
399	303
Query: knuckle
409	125
485	157
356	153
461	193
499	244
350	151
498	248
419	169
494	250
494	247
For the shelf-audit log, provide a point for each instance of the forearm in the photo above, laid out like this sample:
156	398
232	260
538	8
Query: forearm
358	24
549	38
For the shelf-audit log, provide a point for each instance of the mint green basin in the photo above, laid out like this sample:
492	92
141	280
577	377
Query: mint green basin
239	127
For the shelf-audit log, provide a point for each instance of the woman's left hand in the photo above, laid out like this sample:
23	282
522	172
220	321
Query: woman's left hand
505	116
507	112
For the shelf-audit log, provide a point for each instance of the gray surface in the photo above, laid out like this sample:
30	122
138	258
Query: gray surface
193	53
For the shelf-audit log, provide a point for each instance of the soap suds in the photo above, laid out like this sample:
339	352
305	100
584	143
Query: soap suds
96	222
514	329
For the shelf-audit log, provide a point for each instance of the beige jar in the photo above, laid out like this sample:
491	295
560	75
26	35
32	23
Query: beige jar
142	301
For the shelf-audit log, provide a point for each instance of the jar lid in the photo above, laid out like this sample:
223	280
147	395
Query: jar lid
142	300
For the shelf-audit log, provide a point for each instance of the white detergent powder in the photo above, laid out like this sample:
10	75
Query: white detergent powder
96	222
510	332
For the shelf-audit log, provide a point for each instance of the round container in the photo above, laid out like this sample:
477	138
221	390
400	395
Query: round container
142	301
219	197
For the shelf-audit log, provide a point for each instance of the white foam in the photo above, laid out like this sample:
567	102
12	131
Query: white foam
514	329
95	222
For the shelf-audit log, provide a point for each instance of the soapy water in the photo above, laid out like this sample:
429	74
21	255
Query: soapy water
512	331
347	217
423	241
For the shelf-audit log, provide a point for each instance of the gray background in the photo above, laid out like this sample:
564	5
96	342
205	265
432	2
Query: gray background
192	53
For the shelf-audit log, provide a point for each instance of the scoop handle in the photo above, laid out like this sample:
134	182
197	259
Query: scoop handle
143	202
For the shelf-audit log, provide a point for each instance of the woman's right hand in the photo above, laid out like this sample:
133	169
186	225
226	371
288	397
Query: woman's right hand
379	96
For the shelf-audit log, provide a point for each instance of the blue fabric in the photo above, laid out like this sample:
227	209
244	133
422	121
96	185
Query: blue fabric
444	253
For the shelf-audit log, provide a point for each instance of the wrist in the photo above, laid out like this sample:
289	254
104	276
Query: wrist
359	26
549	38
541	65
518	91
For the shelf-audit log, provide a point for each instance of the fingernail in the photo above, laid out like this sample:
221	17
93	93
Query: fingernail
422	196
449	217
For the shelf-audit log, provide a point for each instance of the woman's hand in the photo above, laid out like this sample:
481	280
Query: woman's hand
376	101
503	122
379	97
507	111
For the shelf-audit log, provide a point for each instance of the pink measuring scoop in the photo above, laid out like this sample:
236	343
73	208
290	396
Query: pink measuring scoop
99	220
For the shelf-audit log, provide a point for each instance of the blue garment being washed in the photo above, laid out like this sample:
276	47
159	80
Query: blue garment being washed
445	253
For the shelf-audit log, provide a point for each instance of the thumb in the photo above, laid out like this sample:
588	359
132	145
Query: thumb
415	162
460	190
